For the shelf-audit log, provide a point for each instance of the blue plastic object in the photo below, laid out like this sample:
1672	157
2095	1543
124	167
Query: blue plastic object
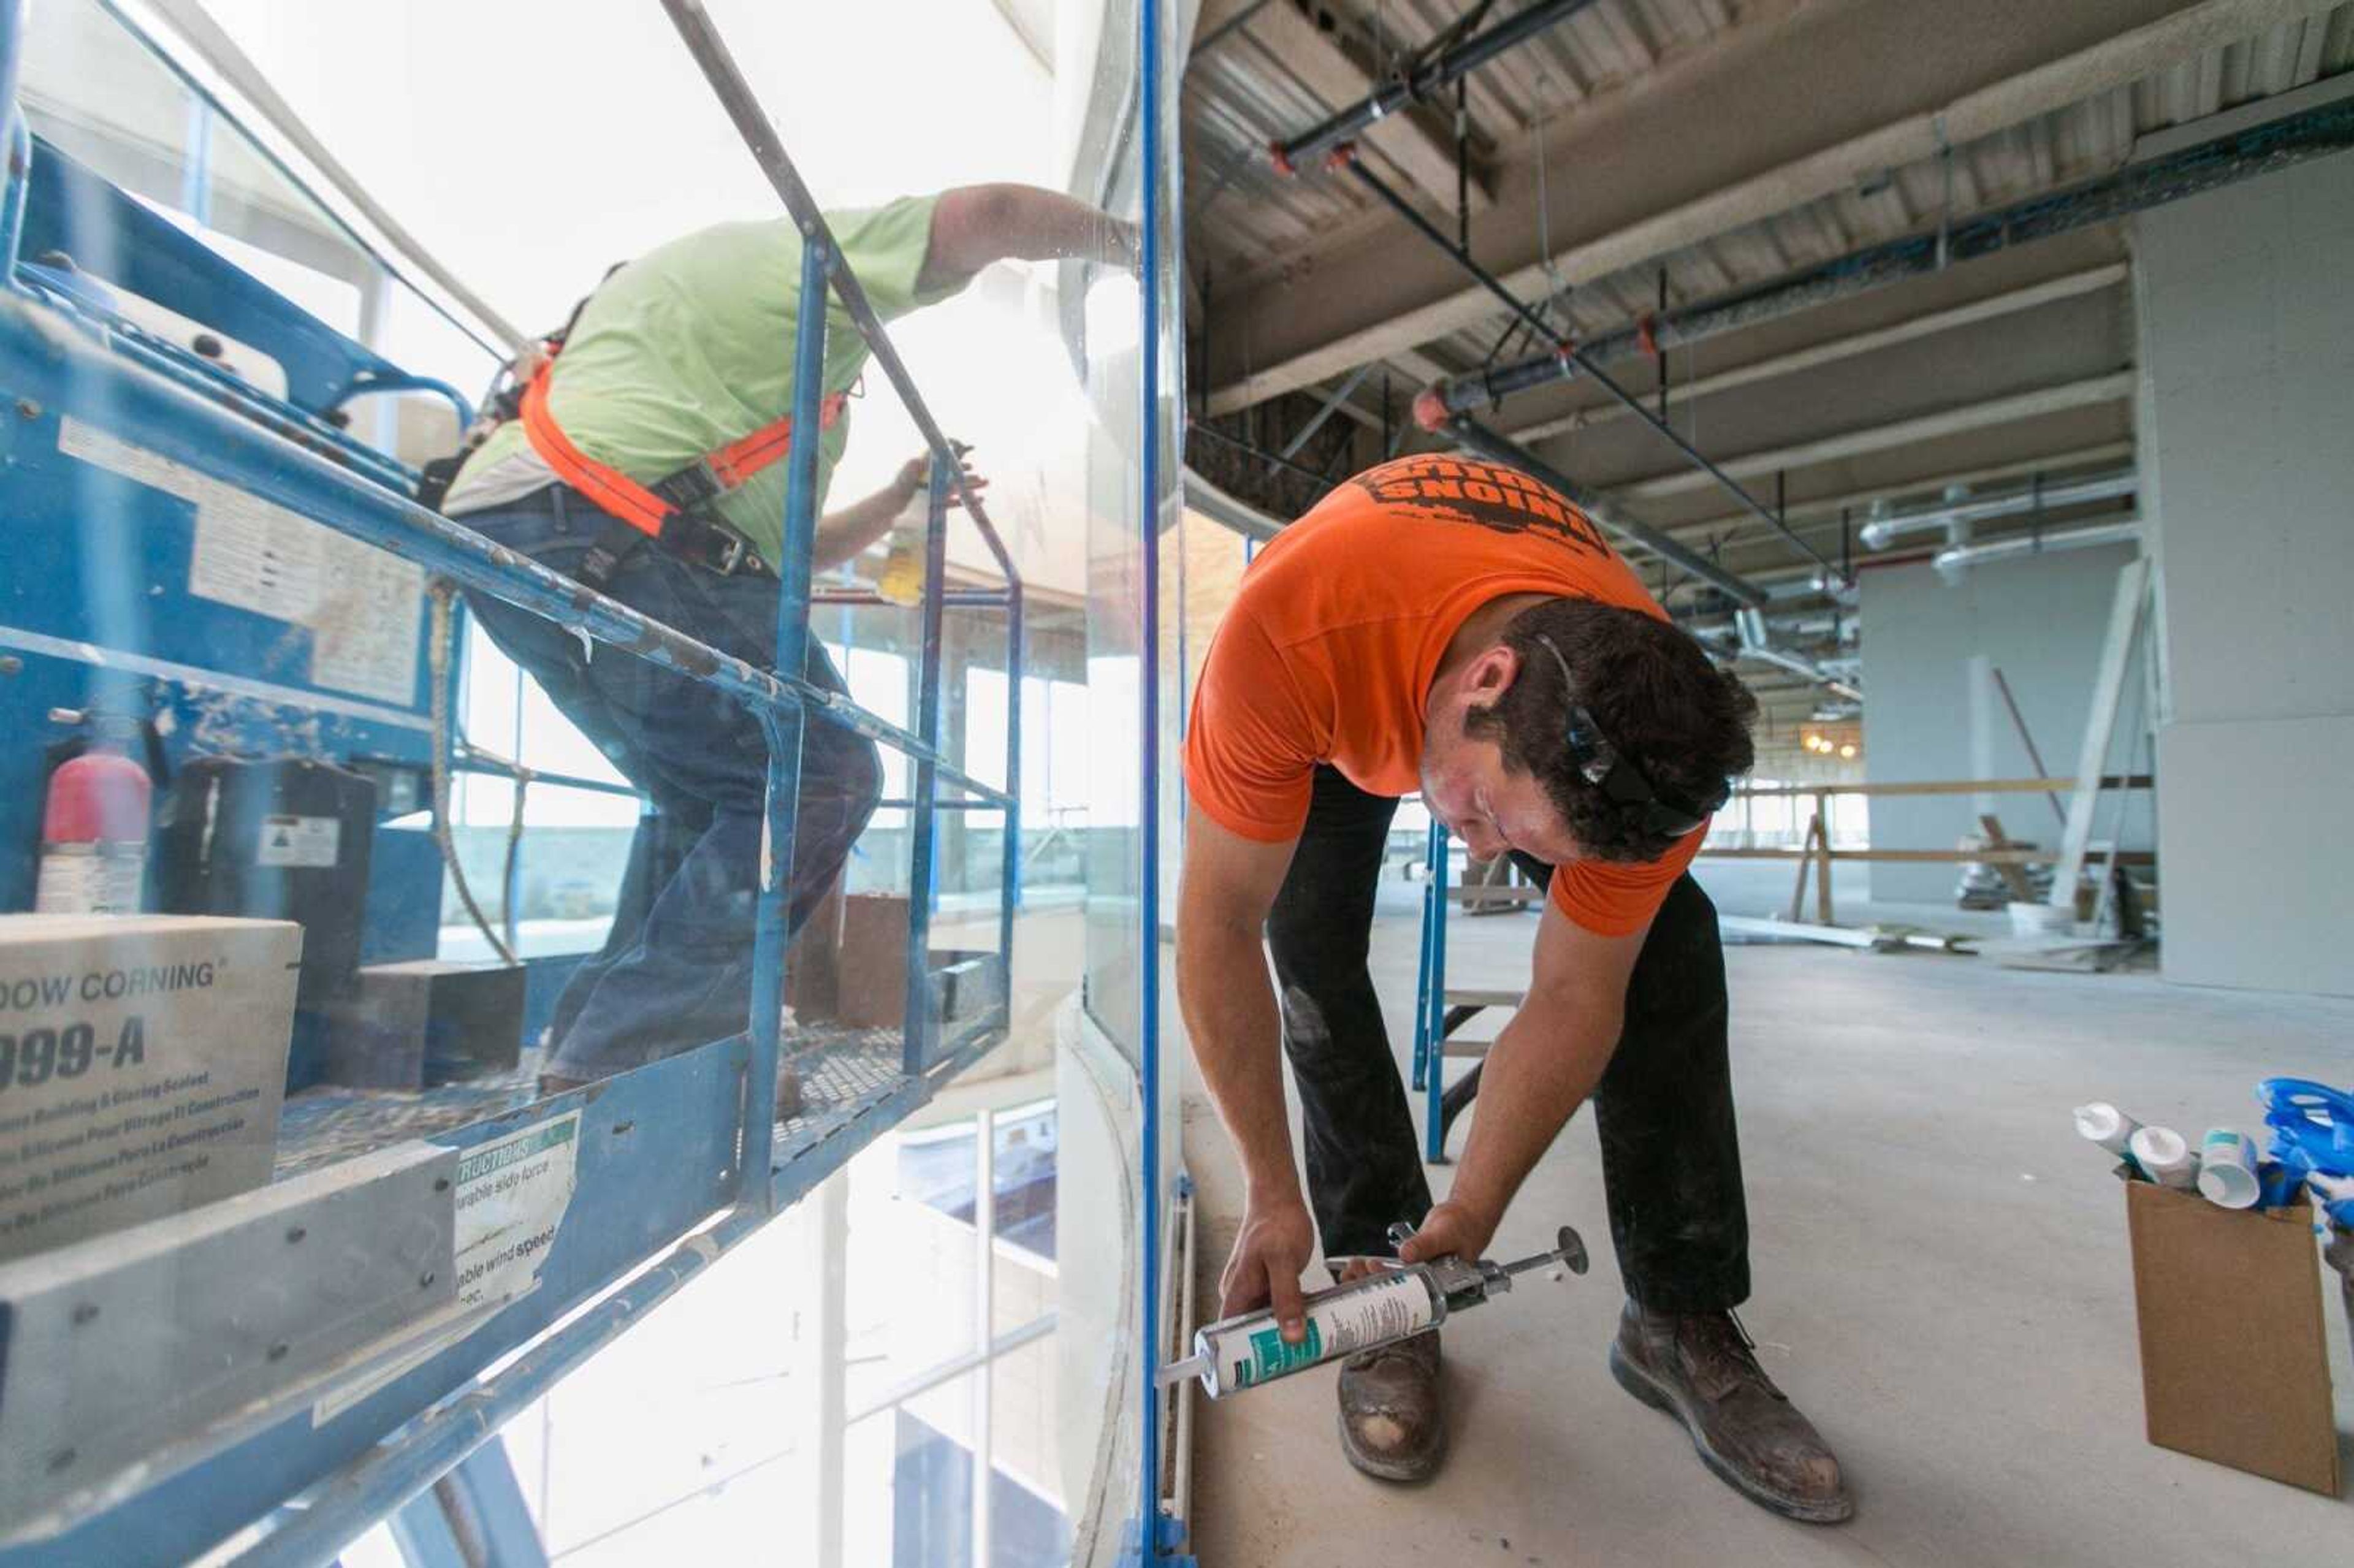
2313	1133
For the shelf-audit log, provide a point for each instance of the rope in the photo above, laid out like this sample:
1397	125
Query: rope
444	633
515	854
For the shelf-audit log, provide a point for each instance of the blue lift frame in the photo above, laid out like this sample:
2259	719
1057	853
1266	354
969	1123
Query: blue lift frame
682	1158
1154	1537
1430	995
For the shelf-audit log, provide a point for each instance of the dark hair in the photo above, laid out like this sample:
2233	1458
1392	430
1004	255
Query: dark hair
1659	700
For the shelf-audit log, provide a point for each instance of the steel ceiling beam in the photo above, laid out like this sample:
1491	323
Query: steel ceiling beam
1913	137
2116	386
1814	357
2138	188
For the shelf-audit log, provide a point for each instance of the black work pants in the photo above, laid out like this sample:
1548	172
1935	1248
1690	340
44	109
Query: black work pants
1670	1158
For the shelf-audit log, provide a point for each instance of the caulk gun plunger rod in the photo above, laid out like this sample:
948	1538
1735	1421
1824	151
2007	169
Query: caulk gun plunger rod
1174	1373
1568	1251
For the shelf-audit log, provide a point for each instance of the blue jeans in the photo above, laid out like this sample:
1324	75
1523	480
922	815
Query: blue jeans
676	969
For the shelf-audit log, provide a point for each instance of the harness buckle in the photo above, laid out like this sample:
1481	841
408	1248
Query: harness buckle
689	487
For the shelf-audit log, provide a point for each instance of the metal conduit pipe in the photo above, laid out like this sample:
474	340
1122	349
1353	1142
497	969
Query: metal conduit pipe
1882	532
1482	441
1805	668
1750	624
1952	563
2257	149
1844	626
1413	86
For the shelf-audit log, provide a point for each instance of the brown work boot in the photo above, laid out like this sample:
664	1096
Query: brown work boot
1699	1368
1392	1422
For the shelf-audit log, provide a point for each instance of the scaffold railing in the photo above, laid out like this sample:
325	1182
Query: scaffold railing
677	1161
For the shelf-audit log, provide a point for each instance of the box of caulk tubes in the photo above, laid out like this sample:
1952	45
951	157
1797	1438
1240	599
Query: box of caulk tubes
142	1061
2234	1361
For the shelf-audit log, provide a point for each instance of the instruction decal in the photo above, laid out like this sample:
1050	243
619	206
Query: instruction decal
511	1197
363	607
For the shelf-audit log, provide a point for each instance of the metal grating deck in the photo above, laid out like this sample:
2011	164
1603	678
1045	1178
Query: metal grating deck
843	1071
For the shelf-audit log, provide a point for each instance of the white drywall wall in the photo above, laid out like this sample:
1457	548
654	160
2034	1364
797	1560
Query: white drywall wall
2246	435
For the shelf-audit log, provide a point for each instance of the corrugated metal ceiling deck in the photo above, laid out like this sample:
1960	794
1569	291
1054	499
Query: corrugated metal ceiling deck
1246	219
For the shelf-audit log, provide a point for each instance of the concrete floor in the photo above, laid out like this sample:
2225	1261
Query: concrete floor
1941	1275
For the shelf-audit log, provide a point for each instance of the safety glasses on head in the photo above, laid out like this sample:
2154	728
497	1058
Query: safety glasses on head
1621	782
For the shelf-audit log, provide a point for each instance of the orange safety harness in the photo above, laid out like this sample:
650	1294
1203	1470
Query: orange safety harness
671	511
659	509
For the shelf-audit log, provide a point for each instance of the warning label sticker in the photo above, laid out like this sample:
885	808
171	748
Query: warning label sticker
363	607
364	634
299	842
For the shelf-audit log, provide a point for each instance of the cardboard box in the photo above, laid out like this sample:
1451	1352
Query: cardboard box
2234	1367
143	1063
423	1021
813	963
873	966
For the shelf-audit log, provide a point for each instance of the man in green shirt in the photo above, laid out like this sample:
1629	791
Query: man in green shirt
676	356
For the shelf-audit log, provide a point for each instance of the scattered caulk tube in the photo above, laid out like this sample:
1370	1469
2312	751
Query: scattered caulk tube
2166	1156
2227	1169
1398	1303
2108	1126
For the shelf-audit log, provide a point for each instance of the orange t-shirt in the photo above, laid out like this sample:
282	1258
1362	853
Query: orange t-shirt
1327	653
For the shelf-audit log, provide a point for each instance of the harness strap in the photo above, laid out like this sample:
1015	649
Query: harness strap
648	507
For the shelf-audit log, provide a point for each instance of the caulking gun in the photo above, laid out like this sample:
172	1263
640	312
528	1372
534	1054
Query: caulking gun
1381	1308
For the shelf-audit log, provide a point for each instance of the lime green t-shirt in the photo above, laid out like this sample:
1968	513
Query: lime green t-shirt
689	347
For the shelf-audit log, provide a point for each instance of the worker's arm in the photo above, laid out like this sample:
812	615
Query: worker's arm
1229	885
973	225
843	534
1541	1067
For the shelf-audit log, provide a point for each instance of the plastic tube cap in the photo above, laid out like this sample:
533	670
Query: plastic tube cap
2101	1122
2228	1186
2166	1155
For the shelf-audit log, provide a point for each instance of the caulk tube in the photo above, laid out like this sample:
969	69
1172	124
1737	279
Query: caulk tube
1379	1309
2166	1156
2108	1126
2227	1169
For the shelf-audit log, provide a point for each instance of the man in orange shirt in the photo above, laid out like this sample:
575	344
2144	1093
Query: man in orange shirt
1459	629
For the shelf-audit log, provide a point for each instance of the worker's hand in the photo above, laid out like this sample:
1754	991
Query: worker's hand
915	473
1450	1228
1270	1253
1124	244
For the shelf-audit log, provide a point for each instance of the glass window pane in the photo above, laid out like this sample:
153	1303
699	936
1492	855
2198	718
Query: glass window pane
1025	1185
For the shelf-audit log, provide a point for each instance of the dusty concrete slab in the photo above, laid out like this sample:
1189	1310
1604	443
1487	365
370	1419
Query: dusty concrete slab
1942	1282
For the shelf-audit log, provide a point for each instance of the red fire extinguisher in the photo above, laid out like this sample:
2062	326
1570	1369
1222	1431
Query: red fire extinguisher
94	834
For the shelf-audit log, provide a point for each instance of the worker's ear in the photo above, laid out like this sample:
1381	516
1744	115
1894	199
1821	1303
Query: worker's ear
1490	675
